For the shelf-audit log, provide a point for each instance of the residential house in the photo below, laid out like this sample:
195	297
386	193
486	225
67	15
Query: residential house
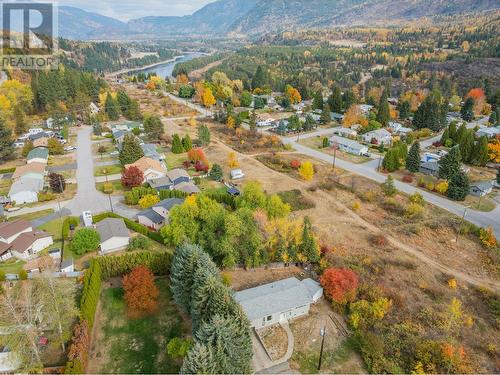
379	136
279	301
187	187
429	167
32	131
38	155
175	179
345	132
152	169
10	230
119	136
55	253
19	143
93	108
334	116
127	126
348	145
150	151
178	175
488	132
157	216
114	235
365	108
399	129
481	188
25	190
18	239
39	139
29	170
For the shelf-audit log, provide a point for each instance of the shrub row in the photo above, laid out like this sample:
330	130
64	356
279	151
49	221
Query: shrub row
7	170
158	263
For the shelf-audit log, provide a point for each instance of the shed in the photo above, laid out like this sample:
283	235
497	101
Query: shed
67	265
237	174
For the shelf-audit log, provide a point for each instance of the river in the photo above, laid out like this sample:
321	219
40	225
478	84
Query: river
165	69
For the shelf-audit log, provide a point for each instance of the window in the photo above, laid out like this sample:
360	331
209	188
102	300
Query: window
269	317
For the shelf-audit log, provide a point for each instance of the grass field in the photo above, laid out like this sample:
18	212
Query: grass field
131	346
296	200
32	215
108	169
12	265
174	160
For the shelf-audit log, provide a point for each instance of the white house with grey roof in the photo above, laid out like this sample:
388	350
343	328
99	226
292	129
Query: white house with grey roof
348	145
279	301
114	235
157	216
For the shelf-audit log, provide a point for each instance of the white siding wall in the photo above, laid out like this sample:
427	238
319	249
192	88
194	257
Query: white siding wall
275	318
114	244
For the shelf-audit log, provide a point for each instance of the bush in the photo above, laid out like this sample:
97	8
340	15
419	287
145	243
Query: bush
340	284
91	291
107	188
23	275
442	187
133	196
148	200
430	185
379	240
356	205
46	196
85	240
414	211
388	187
2	275
295	164
421	181
139	243
417	198
407	178
487	238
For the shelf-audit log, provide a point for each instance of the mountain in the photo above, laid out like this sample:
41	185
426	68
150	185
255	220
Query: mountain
75	23
252	17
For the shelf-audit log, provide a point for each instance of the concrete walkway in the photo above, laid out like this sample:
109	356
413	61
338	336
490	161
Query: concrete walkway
261	362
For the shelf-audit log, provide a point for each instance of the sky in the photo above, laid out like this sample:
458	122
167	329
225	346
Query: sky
128	9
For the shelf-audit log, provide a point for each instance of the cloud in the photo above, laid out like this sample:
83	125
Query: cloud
129	9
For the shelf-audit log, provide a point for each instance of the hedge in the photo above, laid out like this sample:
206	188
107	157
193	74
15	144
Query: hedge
165	194
112	266
91	292
66	224
132	225
7	170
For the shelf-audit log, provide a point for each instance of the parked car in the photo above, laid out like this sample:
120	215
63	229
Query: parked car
114	153
69	148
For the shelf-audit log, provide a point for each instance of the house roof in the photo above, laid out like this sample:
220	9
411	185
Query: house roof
29	168
169	203
67	263
36	136
9	228
347	142
159	182
39	153
4	247
152	215
150	151
482	185
111	227
146	163
25	240
26	184
176	173
312	286
379	132
187	187
430	165
274	297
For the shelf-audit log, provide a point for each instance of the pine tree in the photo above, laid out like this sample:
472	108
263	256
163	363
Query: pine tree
445	136
459	186
493	120
19	120
216	172
335	100
404	109
391	160
430	114
252	121
204	135
187	144
348	99
131	150
383	113
388	187
317	100
452	130
449	165
111	108
480	154
260	78
123	100
413	159
467	111
325	115
6	148
498	176
177	147
199	360
308	245
467	146
153	127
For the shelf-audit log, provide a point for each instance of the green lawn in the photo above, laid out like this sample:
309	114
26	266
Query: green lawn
117	186
296	200
12	265
33	215
108	169
54	228
138	345
174	160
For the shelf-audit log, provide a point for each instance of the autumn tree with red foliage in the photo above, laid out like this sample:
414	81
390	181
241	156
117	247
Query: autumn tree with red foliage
132	177
476	94
141	292
340	284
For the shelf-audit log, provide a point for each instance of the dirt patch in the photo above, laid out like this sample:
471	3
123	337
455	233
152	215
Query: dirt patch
241	279
275	340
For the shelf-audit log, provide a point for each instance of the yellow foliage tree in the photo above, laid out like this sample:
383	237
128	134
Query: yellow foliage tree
293	94
353	116
306	171
148	200
230	122
232	160
208	98
487	237
494	151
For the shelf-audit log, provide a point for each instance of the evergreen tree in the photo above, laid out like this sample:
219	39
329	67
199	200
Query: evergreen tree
413	159
445	136
199	360
177	147
216	172
123	100
460	134
388	187
153	127
403	109
260	78
449	165
493	120
204	135
498	176
458	187
111	108
335	100
430	114
131	150
317	100
391	160
467	111
480	155
20	120
467	146
187	144
133	112
6	148
252	121
452	130
325	115
383	113
348	99
308	245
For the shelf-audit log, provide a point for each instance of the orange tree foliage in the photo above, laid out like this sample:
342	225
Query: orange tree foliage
197	154
353	116
132	177
476	94
80	342
141	292
293	94
340	284
494	151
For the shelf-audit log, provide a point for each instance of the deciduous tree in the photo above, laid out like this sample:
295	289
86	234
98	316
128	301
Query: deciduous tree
340	284
141	292
84	241
132	177
57	182
306	171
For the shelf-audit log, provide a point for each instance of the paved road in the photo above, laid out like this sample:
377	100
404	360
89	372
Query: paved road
368	170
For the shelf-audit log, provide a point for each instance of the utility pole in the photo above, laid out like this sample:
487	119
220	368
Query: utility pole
461	223
323	334
334	155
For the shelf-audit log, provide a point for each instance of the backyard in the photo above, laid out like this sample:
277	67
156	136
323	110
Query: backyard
131	346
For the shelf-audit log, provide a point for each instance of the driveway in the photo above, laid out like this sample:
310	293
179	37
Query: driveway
62	168
368	170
